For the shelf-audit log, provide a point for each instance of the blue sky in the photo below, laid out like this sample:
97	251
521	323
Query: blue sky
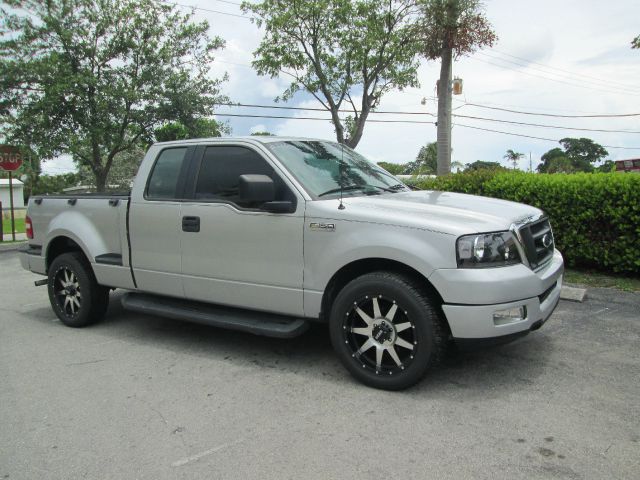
567	57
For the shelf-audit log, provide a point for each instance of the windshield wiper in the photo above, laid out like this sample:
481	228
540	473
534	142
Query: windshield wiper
397	187
345	189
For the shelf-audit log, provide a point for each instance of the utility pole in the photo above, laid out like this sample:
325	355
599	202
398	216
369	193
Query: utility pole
444	113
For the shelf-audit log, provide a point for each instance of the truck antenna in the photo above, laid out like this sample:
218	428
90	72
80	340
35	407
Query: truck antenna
341	170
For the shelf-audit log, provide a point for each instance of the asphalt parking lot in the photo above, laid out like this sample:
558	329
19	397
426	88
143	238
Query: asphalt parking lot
143	397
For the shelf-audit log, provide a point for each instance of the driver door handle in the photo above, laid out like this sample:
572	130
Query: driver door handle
190	224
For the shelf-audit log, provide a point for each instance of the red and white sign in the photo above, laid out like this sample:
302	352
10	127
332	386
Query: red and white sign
10	158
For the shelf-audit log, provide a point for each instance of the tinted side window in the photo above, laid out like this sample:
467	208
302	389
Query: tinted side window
165	174
220	172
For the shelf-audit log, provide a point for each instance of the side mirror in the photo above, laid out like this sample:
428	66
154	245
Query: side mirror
256	188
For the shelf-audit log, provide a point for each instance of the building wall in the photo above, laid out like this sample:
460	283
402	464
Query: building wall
18	200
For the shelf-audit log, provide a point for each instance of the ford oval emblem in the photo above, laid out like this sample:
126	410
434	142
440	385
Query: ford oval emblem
546	240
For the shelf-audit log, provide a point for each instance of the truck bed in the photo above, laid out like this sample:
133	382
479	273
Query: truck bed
100	219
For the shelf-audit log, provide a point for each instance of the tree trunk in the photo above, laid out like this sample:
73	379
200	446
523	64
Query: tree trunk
357	135
101	180
444	113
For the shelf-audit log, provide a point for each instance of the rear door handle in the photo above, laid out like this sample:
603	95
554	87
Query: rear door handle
190	224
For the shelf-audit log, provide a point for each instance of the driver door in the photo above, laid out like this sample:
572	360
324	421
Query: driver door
234	253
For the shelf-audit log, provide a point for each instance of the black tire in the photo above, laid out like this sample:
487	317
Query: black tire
75	296
406	321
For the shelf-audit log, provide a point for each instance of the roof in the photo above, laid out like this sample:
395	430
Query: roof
15	181
251	138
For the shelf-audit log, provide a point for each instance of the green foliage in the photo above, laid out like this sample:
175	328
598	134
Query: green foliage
49	184
577	155
635	43
346	53
482	165
122	172
595	217
393	168
513	157
94	78
198	128
262	134
425	163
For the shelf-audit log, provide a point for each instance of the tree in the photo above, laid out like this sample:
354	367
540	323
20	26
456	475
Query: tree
450	29
199	128
94	78
482	165
425	162
583	152
262	134
393	168
607	166
123	170
580	155
513	157
635	43
346	53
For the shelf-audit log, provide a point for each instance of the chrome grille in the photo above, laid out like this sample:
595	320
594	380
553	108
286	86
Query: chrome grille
538	243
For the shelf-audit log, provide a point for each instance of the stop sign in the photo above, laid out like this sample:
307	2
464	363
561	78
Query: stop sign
10	158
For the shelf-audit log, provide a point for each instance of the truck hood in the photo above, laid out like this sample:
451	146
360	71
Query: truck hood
445	212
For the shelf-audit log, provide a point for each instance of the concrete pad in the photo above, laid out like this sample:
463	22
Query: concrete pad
573	294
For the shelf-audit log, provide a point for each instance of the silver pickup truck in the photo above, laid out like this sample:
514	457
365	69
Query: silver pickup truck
267	234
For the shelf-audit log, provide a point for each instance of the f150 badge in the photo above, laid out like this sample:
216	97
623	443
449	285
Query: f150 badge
322	227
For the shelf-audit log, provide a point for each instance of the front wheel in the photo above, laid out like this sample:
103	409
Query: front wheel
386	330
74	293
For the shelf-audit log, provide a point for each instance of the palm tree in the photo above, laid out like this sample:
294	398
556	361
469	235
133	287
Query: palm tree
512	156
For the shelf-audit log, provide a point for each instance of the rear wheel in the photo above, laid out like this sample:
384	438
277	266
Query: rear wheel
74	293
386	330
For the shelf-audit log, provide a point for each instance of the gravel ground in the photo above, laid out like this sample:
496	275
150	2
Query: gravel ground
143	397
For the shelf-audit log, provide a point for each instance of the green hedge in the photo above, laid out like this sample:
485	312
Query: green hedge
595	216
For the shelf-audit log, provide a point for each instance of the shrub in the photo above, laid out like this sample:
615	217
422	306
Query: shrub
595	216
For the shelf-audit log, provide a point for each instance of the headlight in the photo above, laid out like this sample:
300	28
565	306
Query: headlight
487	250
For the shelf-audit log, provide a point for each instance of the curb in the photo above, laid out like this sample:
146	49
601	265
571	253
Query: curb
573	294
11	247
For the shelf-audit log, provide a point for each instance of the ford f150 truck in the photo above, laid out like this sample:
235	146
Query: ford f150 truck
267	234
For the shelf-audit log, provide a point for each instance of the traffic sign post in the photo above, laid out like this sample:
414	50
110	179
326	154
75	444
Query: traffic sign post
10	160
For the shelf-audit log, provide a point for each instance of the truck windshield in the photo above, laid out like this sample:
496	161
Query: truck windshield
326	168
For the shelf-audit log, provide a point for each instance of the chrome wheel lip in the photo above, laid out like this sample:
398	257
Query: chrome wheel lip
389	356
67	291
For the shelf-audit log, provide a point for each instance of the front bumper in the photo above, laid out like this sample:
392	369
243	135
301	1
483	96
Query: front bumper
514	287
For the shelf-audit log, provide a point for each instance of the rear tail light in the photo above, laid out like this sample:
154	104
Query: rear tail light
28	227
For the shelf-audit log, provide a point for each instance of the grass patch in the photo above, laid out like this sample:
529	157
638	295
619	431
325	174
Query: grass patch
6	225
592	278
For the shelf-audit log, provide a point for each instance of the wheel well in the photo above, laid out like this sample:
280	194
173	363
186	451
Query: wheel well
60	245
369	265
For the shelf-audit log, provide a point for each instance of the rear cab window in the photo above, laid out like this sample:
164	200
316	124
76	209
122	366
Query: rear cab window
167	174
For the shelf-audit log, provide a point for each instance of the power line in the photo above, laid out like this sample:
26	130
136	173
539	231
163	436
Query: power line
206	9
574	78
496	120
412	121
317	109
551	79
372	120
604	115
607	82
530	136
558	127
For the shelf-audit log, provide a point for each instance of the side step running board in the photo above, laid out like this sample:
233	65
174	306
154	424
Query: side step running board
258	323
